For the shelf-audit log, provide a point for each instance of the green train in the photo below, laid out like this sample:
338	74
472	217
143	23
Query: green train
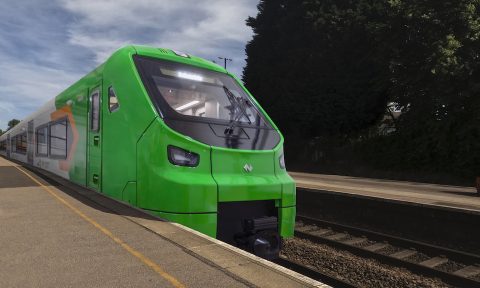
173	134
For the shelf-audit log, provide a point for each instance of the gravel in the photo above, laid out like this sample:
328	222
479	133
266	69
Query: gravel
450	266
366	243
389	250
476	277
417	258
347	237
363	272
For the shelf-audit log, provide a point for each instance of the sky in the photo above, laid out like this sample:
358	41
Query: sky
45	46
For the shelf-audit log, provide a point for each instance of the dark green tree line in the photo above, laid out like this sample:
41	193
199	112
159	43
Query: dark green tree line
434	60
295	68
329	69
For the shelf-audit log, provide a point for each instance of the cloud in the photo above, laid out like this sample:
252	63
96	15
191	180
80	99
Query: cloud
44	53
33	82
26	87
208	28
35	62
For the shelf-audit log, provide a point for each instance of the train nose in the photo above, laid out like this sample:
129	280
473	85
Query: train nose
250	212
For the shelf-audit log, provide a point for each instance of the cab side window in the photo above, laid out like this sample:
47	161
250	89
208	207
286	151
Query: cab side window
113	104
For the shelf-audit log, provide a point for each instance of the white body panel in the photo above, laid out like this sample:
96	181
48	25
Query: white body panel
40	117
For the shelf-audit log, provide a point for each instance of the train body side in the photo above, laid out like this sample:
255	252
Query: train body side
118	133
69	108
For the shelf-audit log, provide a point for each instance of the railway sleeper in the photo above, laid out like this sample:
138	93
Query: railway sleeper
404	254
375	247
355	241
434	262
320	232
468	271
337	236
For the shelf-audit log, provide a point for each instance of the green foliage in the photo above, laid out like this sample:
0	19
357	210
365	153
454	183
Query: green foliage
433	50
326	68
294	67
12	123
434	54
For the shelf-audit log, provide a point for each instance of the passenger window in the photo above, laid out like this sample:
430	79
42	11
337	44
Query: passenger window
113	104
58	139
41	135
13	146
95	111
21	143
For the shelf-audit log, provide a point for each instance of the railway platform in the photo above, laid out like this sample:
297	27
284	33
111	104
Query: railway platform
433	195
56	234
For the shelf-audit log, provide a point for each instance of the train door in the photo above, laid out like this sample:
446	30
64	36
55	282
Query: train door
94	146
9	146
30	145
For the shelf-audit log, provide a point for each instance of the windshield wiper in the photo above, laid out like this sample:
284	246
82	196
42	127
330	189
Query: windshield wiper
238	104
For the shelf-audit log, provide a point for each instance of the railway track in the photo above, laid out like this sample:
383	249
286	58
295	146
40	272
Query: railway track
451	266
313	273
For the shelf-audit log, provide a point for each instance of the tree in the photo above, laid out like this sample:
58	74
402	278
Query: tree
12	123
311	64
329	68
433	50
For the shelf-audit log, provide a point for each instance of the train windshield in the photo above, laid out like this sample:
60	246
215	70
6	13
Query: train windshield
195	93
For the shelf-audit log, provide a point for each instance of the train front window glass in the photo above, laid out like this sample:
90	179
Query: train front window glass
113	104
196	92
58	139
42	141
202	96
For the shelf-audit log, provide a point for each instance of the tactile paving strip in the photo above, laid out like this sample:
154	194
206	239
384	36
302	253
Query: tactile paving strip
10	177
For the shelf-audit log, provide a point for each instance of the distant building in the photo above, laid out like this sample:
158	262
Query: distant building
387	125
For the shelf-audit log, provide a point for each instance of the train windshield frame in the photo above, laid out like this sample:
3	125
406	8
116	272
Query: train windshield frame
185	92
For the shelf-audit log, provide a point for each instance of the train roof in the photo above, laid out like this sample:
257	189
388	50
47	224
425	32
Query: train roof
176	56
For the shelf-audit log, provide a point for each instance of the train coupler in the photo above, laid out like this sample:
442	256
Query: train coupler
260	237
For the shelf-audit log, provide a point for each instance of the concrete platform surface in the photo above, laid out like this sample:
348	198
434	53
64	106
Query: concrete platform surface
55	234
456	197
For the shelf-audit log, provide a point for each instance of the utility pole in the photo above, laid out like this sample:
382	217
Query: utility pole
225	61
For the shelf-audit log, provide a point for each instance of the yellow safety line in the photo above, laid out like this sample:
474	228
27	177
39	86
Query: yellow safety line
107	232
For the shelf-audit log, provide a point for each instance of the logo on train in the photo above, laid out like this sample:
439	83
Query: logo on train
248	168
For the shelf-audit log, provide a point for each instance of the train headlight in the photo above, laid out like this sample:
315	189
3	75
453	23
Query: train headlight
281	161
182	157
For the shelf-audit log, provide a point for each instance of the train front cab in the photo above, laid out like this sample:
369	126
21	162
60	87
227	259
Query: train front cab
213	160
